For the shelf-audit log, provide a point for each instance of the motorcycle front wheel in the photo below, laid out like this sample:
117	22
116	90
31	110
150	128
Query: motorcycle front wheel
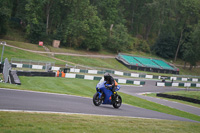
117	101
96	100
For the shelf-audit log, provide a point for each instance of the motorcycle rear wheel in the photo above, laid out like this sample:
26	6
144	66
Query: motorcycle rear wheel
96	100
117	101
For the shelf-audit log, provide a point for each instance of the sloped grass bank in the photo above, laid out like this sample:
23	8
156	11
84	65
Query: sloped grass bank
18	122
92	62
190	94
86	88
21	54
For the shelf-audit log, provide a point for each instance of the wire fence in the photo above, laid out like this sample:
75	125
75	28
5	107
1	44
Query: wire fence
33	64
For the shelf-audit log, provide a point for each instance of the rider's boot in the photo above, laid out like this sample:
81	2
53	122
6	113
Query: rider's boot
113	96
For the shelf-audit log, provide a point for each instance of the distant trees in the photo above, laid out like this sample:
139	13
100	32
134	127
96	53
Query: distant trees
5	14
191	47
165	46
119	39
167	26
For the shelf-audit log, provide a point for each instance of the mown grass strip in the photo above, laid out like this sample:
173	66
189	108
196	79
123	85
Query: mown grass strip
21	54
86	88
175	100
18	122
190	94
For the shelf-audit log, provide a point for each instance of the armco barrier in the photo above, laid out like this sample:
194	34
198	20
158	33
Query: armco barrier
89	77
177	84
179	98
72	75
136	75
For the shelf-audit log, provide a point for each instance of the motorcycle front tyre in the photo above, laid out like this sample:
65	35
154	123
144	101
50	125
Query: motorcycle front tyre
117	101
96	100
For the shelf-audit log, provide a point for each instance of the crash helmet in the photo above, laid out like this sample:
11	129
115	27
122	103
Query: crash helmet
107	76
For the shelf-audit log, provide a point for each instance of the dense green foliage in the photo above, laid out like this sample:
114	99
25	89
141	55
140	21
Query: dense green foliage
168	27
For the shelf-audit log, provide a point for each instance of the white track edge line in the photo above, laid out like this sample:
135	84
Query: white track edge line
69	113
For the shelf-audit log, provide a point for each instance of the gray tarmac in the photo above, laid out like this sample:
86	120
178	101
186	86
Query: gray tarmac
11	99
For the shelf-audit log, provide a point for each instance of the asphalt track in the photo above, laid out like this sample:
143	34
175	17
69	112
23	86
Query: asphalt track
151	88
38	101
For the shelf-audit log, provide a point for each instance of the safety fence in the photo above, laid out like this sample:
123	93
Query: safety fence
120	73
38	67
177	84
90	77
136	75
32	64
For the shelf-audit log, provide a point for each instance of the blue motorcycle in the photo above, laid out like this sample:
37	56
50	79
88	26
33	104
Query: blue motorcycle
104	95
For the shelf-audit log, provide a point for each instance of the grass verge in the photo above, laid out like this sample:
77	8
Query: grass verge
190	94
16	122
175	100
21	54
86	88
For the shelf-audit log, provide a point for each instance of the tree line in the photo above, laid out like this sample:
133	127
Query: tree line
168	28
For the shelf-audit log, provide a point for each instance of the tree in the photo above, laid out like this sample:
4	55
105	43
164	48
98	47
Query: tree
109	11
187	15
79	26
5	14
119	39
96	34
48	6
191	52
35	28
165	46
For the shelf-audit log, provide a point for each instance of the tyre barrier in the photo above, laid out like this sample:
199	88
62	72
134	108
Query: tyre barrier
179	98
30	73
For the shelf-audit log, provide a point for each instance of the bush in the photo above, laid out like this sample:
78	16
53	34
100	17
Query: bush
165	46
140	45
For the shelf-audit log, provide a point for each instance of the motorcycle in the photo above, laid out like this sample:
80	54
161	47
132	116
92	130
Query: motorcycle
104	95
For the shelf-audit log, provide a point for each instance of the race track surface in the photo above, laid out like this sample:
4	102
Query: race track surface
39	101
151	88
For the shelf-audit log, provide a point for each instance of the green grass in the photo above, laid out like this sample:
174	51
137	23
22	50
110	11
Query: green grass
15	34
18	122
60	85
92	62
29	46
194	71
86	88
16	53
190	94
175	100
135	101
75	51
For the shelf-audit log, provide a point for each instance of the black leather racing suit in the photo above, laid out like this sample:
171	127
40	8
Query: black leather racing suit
112	82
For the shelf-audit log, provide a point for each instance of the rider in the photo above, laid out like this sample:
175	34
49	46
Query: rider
110	80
